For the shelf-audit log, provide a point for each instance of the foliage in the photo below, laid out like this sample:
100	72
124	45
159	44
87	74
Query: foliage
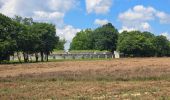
136	43
23	35
7	41
60	44
82	41
103	38
162	46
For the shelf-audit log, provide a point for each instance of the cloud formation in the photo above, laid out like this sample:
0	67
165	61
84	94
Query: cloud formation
166	34
138	18
40	10
98	6
101	22
68	33
52	11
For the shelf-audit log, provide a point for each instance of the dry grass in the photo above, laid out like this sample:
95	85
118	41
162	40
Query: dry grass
137	78
85	90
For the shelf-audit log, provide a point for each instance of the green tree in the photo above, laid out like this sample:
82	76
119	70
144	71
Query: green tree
136	43
34	38
46	38
105	38
60	44
7	35
82	40
162	46
25	38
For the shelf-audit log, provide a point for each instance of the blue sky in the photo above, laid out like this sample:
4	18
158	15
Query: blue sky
71	16
81	19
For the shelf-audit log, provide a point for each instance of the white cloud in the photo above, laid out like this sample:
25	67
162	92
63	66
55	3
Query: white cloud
166	34
98	6
41	10
101	22
68	33
124	28
52	11
62	5
138	17
145	26
138	13
164	18
54	17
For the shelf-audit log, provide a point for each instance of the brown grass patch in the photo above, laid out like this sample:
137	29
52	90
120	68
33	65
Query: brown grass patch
137	78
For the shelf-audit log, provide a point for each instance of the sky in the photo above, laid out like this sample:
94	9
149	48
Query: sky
72	16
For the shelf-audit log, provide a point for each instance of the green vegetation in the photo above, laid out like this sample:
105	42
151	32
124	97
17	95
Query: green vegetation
22	35
143	44
7	37
60	45
82	41
131	44
103	38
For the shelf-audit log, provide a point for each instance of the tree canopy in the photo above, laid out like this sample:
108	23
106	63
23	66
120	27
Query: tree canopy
24	35
7	37
105	37
162	45
82	40
136	43
60	44
102	38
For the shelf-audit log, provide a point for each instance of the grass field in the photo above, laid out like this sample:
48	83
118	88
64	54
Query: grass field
117	79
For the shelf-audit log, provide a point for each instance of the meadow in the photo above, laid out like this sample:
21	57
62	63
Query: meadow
112	79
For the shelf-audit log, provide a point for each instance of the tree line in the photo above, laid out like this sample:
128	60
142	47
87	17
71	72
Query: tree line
131	44
23	35
103	38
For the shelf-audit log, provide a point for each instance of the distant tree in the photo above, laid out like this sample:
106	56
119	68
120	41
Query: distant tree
25	39
7	35
34	38
162	46
135	43
105	38
82	40
60	44
47	38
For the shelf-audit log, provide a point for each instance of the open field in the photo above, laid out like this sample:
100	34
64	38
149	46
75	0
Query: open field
129	78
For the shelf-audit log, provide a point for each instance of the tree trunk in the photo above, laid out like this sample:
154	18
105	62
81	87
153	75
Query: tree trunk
19	57
26	59
47	56
36	57
8	58
42	57
24	56
30	57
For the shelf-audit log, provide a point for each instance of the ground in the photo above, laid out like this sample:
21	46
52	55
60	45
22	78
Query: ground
117	79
